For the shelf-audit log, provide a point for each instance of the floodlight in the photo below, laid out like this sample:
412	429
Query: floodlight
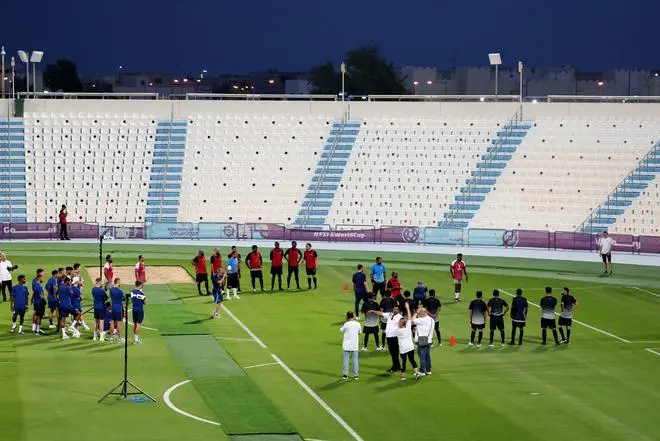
36	56
495	59
23	56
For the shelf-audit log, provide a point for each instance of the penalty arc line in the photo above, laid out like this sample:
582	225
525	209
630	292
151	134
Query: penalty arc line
298	380
593	328
647	292
166	399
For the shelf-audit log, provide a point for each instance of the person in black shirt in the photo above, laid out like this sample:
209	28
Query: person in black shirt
497	308
433	305
387	304
371	321
478	311
518	316
568	305
548	305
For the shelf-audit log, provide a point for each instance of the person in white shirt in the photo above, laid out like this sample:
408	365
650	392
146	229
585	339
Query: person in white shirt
391	326
351	331
424	339
406	346
605	245
6	268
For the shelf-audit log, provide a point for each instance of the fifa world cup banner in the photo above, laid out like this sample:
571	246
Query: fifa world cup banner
174	230
121	232
366	235
45	230
648	244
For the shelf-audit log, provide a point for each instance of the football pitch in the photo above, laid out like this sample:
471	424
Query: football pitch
270	367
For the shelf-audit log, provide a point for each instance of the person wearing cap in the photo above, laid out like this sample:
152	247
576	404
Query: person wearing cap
140	270
293	256
276	259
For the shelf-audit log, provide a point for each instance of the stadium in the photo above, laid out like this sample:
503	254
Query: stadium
522	188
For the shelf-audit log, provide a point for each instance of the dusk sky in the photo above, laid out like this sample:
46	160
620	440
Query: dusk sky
239	37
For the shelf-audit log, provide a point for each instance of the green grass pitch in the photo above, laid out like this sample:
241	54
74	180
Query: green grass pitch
604	386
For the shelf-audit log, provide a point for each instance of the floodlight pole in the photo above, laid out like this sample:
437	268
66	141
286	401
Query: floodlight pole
34	80
343	80
13	78
496	81
3	53
520	74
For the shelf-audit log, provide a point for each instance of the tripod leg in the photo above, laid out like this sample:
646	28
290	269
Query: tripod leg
112	391
142	392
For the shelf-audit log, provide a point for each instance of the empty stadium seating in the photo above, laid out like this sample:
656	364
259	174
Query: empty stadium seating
455	164
563	170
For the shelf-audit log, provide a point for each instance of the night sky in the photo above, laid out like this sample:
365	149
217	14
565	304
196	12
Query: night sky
244	36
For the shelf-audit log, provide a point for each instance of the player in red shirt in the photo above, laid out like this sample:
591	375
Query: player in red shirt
311	262
276	259
140	270
458	271
254	262
108	271
64	235
293	256
216	261
394	285
201	274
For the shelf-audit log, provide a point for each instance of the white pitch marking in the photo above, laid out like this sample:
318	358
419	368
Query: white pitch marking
593	328
166	398
318	399
645	342
141	326
652	351
237	339
245	328
260	365
7	362
302	384
647	292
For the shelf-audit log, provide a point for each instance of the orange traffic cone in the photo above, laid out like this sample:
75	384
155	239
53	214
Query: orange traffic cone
452	341
345	286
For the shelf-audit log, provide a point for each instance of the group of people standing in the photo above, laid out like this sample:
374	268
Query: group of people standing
226	278
410	319
63	296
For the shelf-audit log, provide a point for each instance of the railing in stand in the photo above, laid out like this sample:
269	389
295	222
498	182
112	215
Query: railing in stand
459	205
324	172
621	187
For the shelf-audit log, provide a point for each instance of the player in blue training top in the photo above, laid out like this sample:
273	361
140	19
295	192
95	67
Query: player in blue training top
76	307
38	302
218	279
378	273
99	296
139	300
232	275
64	294
19	298
51	289
117	300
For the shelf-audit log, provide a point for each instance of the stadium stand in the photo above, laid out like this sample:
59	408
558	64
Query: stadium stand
563	170
563	167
